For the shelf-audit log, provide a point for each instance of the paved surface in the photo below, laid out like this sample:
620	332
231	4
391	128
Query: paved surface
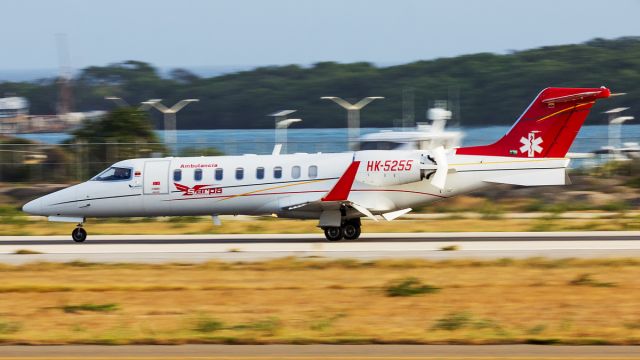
196	248
320	351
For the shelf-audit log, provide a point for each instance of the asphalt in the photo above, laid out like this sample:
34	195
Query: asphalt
322	351
197	248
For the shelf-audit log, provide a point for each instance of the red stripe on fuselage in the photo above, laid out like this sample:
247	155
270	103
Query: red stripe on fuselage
304	192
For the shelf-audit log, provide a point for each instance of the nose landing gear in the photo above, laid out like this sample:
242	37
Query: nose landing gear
79	234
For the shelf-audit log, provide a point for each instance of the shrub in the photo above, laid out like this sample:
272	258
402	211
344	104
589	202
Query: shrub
207	325
410	286
588	280
72	309
450	248
9	327
269	325
453	321
325	323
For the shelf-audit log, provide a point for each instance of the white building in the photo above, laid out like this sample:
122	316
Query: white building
13	110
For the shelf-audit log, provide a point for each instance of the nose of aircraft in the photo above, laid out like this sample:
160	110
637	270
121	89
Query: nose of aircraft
33	207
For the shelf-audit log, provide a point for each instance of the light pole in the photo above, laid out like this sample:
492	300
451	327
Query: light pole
170	135
280	124
353	114
615	130
120	102
281	132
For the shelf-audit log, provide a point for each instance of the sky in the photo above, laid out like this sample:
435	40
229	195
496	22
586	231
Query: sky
211	33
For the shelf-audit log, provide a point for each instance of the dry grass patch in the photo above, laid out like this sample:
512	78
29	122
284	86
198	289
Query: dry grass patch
315	301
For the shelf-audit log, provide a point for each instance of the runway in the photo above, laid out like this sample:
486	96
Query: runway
321	351
198	248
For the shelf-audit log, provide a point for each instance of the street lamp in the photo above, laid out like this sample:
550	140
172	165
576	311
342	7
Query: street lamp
281	124
281	132
170	136
615	129
120	102
353	114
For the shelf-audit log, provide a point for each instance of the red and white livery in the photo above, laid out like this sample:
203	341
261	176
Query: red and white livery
337	188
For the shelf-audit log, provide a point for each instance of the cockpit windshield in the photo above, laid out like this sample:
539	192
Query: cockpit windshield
113	174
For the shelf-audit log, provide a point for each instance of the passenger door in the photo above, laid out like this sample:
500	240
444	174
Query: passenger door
156	187
156	177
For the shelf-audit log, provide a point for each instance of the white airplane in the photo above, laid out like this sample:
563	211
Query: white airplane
338	188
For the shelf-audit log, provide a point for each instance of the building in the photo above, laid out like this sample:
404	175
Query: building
13	112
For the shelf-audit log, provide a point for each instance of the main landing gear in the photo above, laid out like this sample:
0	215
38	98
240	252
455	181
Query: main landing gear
79	234
350	230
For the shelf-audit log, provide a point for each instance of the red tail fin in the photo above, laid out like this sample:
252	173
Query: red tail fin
548	126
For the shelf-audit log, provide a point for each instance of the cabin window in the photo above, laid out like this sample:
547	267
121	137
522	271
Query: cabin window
239	173
313	171
277	172
295	172
197	175
219	174
260	173
114	174
177	175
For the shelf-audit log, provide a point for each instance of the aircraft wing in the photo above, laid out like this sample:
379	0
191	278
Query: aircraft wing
337	197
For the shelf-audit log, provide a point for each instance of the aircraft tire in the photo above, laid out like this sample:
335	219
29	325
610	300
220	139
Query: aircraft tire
333	233
79	235
351	231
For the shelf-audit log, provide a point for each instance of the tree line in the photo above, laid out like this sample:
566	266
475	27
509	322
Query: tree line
493	89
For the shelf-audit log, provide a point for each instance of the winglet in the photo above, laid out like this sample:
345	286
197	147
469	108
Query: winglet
342	188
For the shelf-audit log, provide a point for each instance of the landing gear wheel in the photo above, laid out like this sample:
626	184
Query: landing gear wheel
79	235
333	233
351	231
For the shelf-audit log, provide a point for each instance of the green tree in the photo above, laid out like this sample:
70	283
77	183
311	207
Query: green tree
494	88
124	133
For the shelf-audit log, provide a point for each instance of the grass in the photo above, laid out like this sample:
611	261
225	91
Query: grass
292	300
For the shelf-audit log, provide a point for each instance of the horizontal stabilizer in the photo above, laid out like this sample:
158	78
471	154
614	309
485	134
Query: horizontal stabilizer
531	177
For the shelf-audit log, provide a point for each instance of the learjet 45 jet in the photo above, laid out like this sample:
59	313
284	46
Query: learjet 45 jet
337	189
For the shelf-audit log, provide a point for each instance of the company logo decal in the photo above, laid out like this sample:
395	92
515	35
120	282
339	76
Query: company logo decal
531	144
198	189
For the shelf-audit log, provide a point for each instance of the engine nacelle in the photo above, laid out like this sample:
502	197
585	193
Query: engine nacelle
390	168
